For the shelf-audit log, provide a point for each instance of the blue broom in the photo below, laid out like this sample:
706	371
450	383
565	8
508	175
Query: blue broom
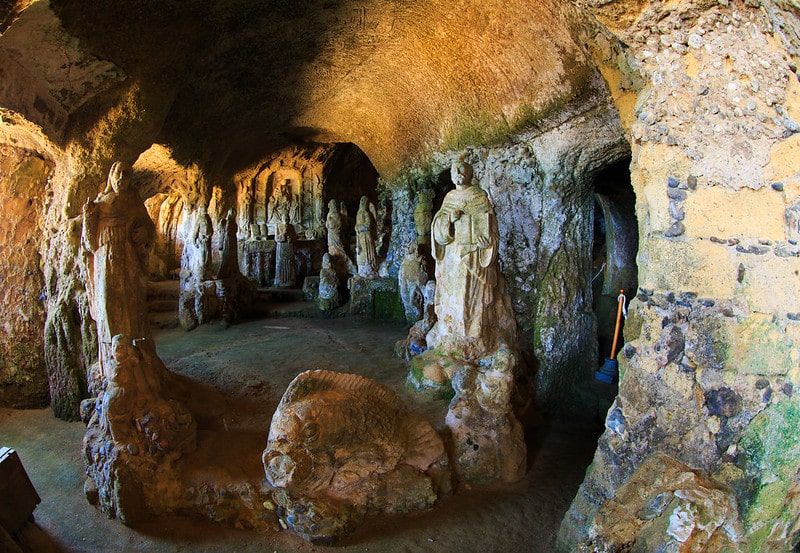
609	372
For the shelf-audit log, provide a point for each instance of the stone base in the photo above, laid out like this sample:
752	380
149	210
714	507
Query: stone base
228	299
488	443
378	298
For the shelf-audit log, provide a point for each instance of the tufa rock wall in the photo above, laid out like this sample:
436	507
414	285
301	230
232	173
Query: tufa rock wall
23	184
710	371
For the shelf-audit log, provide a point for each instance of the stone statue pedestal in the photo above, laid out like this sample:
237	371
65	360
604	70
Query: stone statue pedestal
488	440
469	346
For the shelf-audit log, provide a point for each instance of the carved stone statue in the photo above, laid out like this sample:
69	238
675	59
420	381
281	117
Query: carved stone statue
295	211
334	225
118	235
282	204
328	297
470	348
382	228
318	225
471	313
345	222
411	278
285	270
202	242
423	216
365	241
229	265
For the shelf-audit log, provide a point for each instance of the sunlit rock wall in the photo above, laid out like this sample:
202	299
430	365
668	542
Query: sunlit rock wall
710	374
23	184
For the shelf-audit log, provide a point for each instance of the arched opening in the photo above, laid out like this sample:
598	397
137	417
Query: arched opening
614	249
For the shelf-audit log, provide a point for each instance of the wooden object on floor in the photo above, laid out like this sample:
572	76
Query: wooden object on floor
19	498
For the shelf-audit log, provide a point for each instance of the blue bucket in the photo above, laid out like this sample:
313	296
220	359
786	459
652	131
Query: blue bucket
609	372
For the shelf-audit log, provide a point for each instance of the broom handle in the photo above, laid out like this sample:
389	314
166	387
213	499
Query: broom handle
620	302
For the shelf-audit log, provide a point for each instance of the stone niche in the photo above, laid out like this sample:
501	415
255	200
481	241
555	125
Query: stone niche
296	184
543	195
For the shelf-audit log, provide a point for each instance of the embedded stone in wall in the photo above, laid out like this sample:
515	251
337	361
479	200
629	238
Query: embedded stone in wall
715	211
666	506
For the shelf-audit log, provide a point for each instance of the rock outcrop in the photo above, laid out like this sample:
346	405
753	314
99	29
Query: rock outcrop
342	447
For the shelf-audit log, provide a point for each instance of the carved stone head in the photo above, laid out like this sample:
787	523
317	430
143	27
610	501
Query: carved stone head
326	261
461	174
363	203
119	177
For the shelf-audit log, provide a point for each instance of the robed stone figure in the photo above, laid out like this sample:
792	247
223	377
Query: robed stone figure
471	315
118	235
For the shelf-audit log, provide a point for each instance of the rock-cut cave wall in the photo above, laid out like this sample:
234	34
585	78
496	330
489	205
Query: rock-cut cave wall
23	184
709	373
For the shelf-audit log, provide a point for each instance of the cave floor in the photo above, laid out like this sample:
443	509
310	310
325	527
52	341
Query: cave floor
237	376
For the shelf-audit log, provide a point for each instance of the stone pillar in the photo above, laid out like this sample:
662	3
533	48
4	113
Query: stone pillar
708	377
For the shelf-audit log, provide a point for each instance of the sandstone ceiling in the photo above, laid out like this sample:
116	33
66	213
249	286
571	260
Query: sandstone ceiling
233	80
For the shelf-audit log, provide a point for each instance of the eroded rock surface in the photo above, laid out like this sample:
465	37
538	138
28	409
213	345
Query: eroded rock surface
342	447
666	506
136	435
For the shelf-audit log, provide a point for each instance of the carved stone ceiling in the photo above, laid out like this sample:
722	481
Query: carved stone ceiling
397	77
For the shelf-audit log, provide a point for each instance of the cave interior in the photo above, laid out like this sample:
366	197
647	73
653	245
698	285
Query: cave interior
410	276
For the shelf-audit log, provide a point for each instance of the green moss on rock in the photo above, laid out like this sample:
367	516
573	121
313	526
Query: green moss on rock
768	454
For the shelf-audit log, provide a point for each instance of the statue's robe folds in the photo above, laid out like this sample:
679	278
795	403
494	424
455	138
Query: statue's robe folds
365	247
119	234
472	313
334	226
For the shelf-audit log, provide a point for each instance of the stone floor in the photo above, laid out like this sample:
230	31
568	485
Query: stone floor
240	374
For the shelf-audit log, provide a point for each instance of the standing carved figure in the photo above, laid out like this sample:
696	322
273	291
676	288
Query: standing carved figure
282	204
284	256
328	297
334	225
229	265
465	239
345	221
411	278
295	212
202	242
365	241
118	235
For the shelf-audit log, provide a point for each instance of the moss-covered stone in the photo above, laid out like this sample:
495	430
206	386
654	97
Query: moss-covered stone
387	306
767	454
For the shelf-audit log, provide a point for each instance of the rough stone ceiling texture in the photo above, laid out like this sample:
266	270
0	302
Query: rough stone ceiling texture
396	77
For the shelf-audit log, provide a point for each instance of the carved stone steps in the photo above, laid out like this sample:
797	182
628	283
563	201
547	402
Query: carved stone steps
164	290
162	306
164	319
